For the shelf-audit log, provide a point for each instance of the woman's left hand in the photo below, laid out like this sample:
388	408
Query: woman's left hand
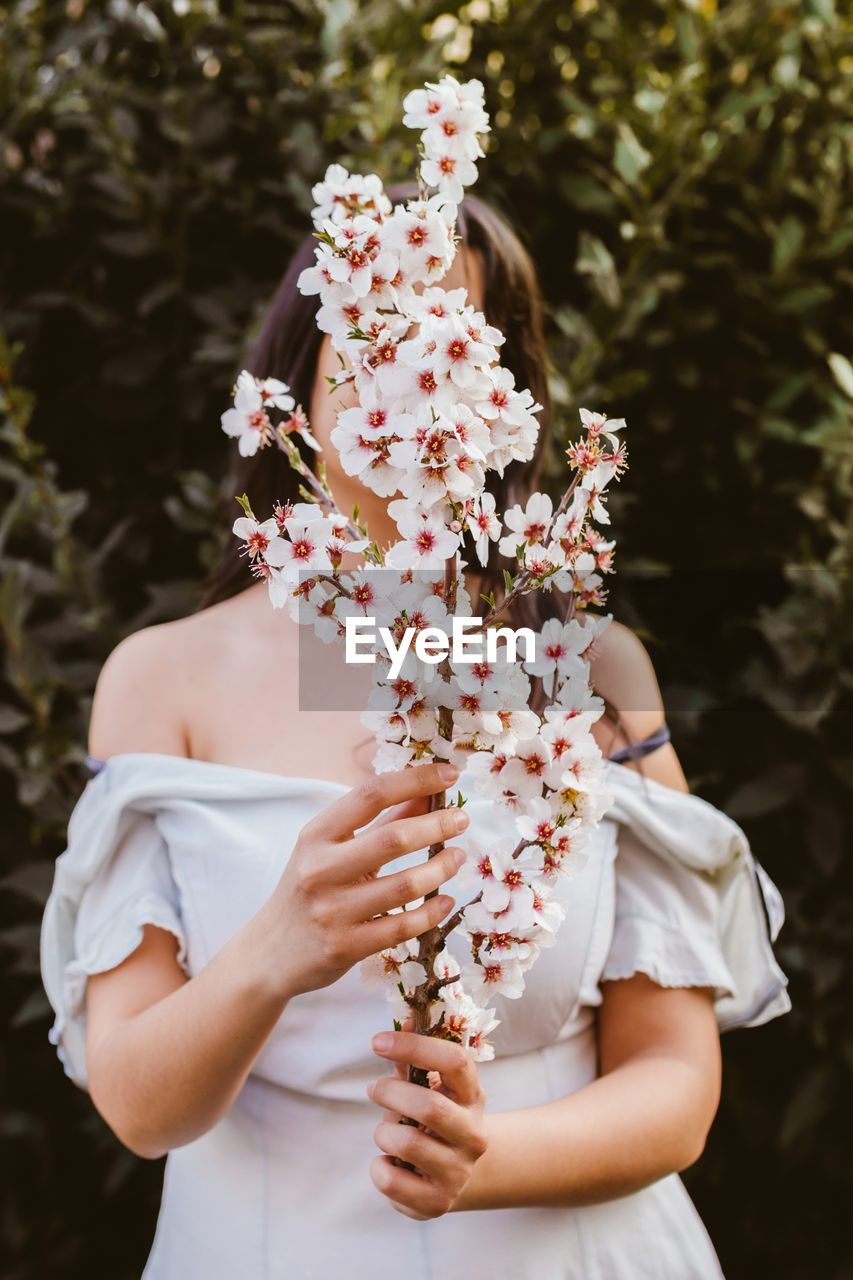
453	1137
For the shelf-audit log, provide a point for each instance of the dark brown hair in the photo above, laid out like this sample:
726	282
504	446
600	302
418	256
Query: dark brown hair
288	348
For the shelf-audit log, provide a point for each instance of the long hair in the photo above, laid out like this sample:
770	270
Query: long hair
288	348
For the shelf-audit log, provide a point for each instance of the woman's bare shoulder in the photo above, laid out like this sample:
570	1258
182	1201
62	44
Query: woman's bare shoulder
162	682
622	671
134	707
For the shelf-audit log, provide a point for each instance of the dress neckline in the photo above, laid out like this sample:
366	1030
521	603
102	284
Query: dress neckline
268	775
633	751
92	761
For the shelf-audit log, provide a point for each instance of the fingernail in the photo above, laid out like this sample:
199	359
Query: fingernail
382	1042
459	856
460	820
371	1088
448	772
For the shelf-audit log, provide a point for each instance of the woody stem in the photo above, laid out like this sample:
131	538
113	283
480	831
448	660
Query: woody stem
432	942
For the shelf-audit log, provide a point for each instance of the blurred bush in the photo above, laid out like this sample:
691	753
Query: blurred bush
682	174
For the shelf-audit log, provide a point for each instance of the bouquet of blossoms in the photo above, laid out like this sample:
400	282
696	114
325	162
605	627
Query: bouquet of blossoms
435	414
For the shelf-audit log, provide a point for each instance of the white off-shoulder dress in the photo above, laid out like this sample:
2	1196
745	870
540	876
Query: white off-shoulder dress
279	1189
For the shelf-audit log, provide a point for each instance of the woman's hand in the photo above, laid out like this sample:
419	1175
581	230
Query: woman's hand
326	912
453	1137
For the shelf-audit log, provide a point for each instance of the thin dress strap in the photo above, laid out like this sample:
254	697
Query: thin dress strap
635	750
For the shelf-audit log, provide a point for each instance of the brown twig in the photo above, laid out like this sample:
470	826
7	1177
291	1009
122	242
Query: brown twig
431	943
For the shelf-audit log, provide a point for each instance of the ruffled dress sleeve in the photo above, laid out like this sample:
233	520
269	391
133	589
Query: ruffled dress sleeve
112	879
693	907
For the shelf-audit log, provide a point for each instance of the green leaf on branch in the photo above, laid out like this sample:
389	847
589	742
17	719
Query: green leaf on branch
595	260
842	372
630	157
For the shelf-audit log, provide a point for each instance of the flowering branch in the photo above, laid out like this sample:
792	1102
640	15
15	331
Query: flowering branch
436	415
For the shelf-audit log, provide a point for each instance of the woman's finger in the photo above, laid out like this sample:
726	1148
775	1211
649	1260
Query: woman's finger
404	835
430	1156
340	819
389	931
400	1073
434	1110
406	809
454	1063
382	893
410	1194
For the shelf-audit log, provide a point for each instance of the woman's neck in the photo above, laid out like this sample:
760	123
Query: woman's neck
372	511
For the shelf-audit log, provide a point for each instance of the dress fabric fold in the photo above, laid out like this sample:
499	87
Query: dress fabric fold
280	1186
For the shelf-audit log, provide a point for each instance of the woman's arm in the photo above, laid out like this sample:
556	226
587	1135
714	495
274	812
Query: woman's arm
648	1113
646	1116
622	672
167	1055
164	1068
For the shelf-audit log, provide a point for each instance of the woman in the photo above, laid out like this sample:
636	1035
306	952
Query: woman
225	873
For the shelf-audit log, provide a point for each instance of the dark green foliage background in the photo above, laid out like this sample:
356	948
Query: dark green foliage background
682	174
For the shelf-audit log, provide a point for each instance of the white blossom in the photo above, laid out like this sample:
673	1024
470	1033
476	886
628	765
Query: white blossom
437	416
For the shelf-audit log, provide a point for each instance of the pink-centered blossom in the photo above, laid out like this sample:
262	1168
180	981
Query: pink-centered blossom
494	976
420	234
427	543
257	536
342	194
558	650
248	420
436	414
527	526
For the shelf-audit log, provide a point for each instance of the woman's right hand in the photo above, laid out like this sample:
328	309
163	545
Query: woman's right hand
325	914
